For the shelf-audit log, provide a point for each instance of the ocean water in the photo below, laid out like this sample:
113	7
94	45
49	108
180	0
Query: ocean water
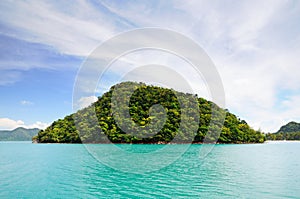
228	171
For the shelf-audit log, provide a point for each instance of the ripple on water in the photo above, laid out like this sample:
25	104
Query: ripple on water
229	171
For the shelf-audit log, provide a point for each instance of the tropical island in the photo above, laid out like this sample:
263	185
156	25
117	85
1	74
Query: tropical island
290	131
97	124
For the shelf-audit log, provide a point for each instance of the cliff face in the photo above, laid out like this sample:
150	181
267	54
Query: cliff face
148	122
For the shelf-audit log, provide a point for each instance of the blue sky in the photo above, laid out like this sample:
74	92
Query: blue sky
255	46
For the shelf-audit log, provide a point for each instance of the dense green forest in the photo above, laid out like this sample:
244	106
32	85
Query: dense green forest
290	131
18	134
182	123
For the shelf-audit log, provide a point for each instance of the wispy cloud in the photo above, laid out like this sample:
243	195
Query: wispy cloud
50	35
9	77
74	29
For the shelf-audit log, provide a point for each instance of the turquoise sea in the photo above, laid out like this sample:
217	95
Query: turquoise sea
228	171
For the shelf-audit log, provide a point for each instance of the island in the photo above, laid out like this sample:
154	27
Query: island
290	131
18	134
97	124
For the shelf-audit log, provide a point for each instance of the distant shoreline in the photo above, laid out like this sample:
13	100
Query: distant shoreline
146	143
281	141
198	143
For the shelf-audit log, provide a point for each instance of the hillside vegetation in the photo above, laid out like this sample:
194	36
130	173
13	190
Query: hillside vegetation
18	134
97	123
290	131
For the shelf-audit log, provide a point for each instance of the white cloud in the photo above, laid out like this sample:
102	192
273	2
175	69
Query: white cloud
26	102
72	29
38	124
160	68
10	124
85	102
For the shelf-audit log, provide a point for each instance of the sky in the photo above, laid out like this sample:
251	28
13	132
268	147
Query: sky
255	46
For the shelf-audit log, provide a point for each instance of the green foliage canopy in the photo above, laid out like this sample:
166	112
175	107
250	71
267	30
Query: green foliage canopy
290	131
103	128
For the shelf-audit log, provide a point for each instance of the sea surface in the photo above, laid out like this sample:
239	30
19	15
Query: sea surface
270	170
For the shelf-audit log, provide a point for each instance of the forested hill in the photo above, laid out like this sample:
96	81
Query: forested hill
18	134
290	128
97	123
290	131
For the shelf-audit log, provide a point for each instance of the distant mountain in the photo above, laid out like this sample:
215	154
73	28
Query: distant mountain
290	131
290	127
18	134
